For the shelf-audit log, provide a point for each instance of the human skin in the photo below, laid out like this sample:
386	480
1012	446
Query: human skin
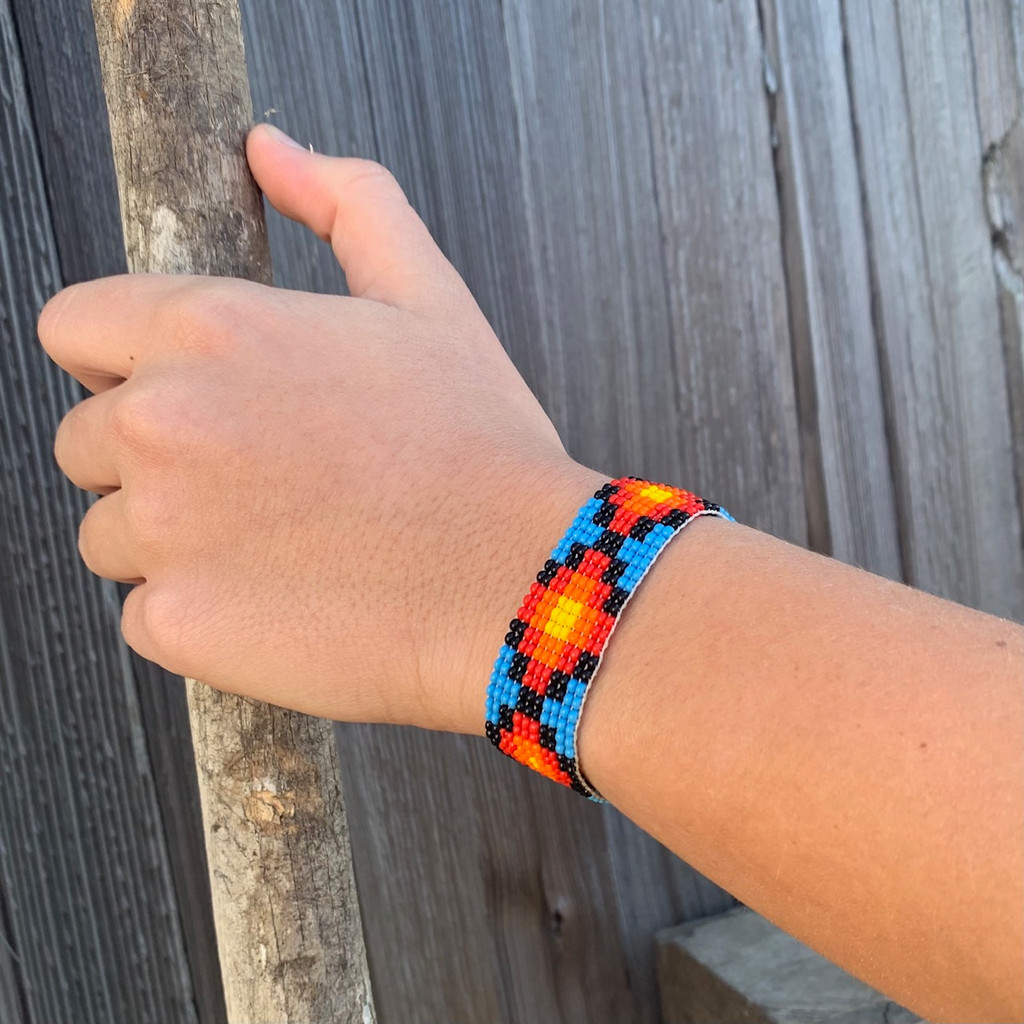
335	504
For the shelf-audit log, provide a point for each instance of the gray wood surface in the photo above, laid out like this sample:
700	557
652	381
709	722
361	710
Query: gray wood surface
842	420
65	95
768	250
89	917
937	316
737	966
12	1006
997	36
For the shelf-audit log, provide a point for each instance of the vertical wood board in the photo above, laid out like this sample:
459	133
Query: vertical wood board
88	903
720	225
850	495
938	318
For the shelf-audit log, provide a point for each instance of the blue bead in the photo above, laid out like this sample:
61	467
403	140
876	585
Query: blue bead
659	535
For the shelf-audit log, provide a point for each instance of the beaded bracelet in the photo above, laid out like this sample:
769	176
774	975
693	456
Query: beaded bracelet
555	643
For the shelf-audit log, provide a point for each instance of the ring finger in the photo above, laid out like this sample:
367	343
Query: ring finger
103	541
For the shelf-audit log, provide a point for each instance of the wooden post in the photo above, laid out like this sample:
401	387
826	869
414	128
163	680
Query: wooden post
288	929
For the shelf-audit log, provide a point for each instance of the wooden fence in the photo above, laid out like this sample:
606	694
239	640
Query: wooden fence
769	250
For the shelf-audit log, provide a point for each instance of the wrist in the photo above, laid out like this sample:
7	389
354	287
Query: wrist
529	513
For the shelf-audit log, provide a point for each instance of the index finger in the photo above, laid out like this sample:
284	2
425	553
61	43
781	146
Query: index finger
101	330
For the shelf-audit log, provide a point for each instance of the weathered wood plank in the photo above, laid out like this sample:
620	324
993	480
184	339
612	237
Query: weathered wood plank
66	98
13	1009
997	45
739	967
935	296
995	37
715	184
845	448
88	901
12	1004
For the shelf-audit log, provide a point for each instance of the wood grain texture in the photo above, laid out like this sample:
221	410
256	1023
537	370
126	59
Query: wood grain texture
288	930
720	225
997	46
12	1004
89	917
65	94
62	73
935	295
842	420
994	28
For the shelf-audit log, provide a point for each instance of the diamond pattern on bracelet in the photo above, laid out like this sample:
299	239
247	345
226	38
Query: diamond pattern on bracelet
556	641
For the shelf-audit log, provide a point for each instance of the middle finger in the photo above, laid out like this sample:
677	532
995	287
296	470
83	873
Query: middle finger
84	447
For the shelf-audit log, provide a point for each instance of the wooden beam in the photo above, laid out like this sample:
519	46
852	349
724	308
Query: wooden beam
737	967
287	919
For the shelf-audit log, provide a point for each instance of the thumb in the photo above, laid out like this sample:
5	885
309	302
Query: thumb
382	245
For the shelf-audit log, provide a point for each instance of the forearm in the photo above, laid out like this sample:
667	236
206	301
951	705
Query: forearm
841	752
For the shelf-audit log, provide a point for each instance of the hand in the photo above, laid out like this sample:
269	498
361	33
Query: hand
333	504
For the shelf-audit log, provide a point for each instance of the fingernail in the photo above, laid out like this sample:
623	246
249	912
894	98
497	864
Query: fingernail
279	136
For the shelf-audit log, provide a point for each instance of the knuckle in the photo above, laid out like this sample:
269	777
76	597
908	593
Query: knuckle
137	421
377	181
207	316
363	170
151	417
149	517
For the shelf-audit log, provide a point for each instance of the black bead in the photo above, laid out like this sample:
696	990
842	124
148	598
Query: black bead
505	718
605	514
614	601
606	492
575	556
616	567
676	518
547	736
530	702
493	732
585	666
565	763
609	543
516	632
548	573
518	667
641	528
557	685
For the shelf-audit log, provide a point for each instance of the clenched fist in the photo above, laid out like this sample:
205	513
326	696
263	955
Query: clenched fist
333	504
